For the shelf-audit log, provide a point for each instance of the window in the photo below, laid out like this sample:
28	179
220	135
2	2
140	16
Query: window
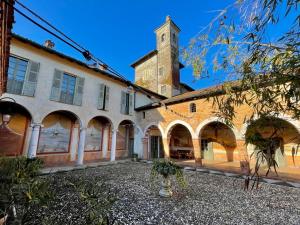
147	74
103	102
144	115
16	75
174	37
22	76
163	37
126	103
67	89
161	71
163	89
193	107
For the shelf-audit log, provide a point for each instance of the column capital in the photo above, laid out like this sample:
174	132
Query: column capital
33	125
196	139
83	128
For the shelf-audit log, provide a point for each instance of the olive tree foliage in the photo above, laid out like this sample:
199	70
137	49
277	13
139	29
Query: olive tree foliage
238	44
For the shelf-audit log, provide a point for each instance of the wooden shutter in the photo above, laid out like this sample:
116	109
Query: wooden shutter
130	104
30	81
78	91
56	85
123	102
106	106
101	97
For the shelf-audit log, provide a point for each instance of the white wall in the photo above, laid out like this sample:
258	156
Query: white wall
40	106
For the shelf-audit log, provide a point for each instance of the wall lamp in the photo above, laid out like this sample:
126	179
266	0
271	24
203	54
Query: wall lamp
7	112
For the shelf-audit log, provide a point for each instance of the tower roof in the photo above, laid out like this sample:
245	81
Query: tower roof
168	21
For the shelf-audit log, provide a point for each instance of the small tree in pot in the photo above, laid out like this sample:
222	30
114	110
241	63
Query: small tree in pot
166	168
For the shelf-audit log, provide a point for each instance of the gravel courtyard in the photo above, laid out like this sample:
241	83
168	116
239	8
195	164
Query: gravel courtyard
208	199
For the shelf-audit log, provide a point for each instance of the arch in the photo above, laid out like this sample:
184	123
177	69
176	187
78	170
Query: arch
14	106
216	119
67	112
293	122
129	120
185	124
283	144
156	125
99	116
15	120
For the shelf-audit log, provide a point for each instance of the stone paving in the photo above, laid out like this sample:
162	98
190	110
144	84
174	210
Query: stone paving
210	198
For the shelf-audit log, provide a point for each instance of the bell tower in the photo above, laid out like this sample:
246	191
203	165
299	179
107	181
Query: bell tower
168	58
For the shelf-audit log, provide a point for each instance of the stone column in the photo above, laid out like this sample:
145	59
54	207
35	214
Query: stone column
197	151
113	145
34	140
166	142
74	141
105	141
81	145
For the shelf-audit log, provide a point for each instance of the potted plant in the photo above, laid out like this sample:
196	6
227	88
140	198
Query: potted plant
167	168
135	157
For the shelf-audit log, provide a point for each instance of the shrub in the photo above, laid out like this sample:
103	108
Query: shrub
21	187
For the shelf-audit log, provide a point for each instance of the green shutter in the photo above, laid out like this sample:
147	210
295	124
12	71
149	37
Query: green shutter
78	91
30	81
56	85
123	102
101	97
106	107
130	104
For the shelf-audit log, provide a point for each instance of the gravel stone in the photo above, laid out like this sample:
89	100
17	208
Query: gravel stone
208	199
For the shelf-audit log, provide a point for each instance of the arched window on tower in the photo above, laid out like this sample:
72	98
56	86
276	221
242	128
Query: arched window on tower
193	108
163	37
174	37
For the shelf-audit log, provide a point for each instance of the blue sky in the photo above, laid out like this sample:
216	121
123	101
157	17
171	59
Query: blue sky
119	31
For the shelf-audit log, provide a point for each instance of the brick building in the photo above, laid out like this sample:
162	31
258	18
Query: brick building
67	111
159	70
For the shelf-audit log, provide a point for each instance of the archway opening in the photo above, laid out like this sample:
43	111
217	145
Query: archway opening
181	144
154	146
97	139
125	139
58	130
14	122
218	143
271	140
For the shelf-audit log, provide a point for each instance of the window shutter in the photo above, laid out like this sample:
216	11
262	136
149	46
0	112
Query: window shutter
101	97
30	81
56	85
123	102
130	104
106	107
78	91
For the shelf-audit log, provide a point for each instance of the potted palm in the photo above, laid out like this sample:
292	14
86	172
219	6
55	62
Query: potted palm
167	168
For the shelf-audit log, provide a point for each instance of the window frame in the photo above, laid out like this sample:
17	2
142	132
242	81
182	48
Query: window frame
161	71
104	97
61	88
193	107
163	38
15	71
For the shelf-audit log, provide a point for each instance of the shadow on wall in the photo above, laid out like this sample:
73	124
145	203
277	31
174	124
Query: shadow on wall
14	122
218	142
